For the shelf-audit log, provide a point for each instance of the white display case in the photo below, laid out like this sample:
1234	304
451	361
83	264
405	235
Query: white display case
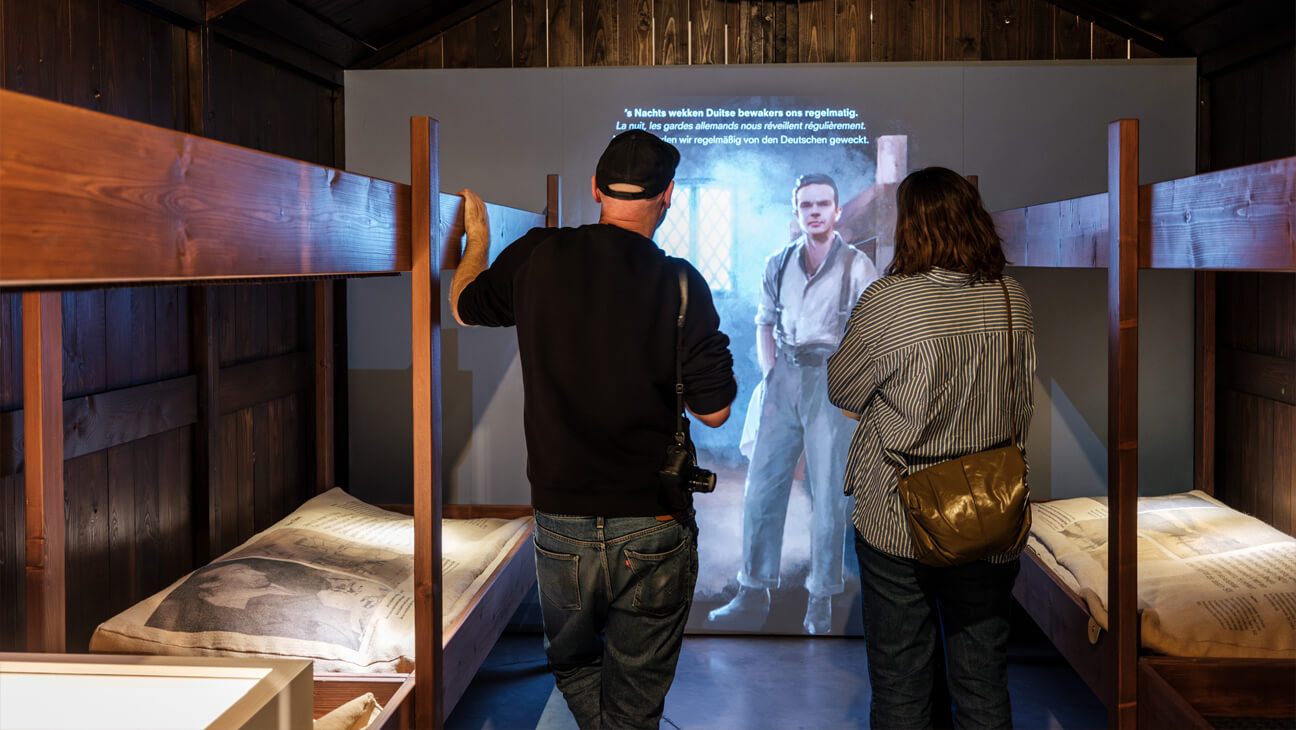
108	692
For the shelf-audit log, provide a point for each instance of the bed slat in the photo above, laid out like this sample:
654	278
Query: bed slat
1241	218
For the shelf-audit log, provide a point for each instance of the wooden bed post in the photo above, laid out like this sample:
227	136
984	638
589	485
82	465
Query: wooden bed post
1122	418
42	327
425	293
325	479
553	201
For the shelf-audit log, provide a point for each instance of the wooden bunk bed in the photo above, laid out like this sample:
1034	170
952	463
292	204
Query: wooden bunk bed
1237	219
92	200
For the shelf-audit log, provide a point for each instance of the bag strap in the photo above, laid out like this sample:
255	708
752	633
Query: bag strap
679	357
900	468
844	303
1008	386
780	336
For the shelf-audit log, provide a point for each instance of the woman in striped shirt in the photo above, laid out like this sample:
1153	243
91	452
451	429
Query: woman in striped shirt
924	366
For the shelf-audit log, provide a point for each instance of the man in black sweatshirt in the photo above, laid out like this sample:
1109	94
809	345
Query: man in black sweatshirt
596	309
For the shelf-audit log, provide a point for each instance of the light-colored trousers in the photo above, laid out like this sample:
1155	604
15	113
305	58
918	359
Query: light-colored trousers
796	415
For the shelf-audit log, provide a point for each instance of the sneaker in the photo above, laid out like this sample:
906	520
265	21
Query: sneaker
750	605
818	618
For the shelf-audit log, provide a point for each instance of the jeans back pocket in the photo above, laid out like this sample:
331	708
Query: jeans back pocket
665	580
559	578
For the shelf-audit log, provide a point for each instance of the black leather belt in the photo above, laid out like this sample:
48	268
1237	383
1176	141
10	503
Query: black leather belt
808	356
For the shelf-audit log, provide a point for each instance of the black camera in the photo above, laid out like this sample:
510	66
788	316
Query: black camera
682	473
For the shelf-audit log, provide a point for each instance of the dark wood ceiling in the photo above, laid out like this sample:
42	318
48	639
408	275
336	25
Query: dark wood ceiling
1201	28
323	37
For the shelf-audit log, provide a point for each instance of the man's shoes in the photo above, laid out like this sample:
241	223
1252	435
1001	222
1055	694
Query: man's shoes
750	606
818	618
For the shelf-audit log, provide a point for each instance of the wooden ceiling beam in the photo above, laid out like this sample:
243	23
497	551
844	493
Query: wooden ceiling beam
184	13
217	8
1152	39
257	39
294	23
424	29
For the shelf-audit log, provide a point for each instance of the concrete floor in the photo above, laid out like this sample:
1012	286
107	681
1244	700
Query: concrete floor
742	683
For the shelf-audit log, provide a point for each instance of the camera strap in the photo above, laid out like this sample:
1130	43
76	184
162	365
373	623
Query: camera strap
679	357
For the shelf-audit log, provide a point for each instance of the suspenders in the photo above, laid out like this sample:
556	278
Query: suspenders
844	303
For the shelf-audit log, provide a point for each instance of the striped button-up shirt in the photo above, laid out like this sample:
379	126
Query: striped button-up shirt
925	363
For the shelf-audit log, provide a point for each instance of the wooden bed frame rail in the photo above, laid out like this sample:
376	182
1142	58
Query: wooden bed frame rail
95	200
1239	219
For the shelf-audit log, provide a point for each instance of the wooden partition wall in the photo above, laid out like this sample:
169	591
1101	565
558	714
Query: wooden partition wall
163	210
92	200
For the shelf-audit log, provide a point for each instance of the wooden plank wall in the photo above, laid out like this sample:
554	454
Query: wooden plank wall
128	517
517	33
1250	117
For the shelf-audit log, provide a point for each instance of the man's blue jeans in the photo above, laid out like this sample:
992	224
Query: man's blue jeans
906	605
615	594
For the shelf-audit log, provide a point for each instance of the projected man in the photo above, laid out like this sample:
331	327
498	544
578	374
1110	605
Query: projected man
809	289
596	310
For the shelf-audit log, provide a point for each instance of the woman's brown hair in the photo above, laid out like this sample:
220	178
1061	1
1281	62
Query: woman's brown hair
941	223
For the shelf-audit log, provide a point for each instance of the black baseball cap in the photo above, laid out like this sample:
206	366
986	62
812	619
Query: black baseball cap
637	158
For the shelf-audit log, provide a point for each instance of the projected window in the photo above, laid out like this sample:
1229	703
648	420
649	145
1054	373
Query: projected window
700	228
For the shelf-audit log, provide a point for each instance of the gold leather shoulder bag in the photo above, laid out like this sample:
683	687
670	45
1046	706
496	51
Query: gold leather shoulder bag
974	506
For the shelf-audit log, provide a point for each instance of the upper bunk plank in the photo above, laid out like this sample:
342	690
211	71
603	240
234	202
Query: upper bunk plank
506	226
1242	218
1067	233
1122	417
45	522
90	197
1238	219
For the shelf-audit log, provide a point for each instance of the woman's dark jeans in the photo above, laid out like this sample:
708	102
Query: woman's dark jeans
906	604
615	594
